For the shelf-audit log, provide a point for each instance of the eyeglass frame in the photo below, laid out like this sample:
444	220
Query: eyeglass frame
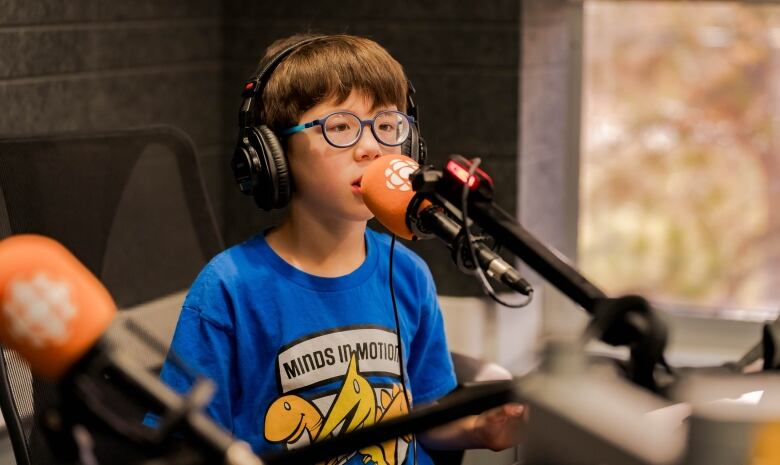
363	122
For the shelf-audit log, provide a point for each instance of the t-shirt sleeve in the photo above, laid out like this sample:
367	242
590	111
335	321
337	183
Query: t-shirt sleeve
206	350
203	345
430	370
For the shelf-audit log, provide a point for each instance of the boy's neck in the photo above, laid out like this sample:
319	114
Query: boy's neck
320	248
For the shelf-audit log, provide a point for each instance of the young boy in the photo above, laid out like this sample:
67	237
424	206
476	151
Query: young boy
296	325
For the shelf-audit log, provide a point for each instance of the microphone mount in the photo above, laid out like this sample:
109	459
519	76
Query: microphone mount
443	221
634	324
104	394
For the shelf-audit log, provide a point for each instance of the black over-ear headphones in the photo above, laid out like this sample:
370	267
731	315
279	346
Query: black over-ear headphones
259	163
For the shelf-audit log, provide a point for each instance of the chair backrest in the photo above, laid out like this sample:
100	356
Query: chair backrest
132	206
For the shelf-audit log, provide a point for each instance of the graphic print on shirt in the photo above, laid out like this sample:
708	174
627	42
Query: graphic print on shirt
349	359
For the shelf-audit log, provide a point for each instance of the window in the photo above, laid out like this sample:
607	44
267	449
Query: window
680	167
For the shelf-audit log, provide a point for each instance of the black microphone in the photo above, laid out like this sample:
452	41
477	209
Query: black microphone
388	193
54	314
431	220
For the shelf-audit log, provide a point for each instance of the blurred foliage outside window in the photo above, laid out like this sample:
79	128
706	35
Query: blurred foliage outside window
680	164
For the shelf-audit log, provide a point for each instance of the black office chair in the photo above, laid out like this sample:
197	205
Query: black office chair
131	205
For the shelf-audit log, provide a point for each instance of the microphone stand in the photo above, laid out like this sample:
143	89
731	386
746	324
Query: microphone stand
107	393
628	321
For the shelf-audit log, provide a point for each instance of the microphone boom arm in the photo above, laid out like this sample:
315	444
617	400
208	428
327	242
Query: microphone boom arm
611	320
430	184
546	261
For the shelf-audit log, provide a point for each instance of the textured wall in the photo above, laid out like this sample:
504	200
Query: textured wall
461	56
93	65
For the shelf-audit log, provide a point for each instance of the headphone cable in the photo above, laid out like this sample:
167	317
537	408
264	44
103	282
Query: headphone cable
400	344
486	287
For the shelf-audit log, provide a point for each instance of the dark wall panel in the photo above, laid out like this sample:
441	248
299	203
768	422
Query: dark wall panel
25	12
91	65
185	96
359	10
72	48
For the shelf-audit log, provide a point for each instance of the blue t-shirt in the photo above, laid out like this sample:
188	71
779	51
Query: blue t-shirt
298	358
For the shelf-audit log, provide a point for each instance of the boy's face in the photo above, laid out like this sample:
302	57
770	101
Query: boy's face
327	178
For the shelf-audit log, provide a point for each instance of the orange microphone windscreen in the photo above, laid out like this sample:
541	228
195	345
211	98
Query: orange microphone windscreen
387	191
52	309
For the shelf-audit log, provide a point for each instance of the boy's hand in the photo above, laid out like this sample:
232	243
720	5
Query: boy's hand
501	427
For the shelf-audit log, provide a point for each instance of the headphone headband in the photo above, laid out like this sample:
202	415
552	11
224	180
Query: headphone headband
260	78
257	83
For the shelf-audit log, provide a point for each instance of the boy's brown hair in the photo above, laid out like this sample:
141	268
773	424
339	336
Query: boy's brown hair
328	68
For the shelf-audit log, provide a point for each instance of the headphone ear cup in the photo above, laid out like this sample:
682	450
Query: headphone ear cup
414	146
244	165
273	184
407	148
422	151
283	182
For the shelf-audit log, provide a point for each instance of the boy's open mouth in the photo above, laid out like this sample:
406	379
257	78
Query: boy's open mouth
356	183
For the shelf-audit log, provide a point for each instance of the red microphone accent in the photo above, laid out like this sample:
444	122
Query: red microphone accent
387	192
462	174
52	309
459	166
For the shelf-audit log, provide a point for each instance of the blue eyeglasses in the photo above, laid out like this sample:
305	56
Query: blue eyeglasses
343	128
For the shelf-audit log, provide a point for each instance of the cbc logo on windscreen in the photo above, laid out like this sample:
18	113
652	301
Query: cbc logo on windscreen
38	311
397	174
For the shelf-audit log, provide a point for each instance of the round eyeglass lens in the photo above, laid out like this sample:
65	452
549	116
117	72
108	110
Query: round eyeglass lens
342	129
391	127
